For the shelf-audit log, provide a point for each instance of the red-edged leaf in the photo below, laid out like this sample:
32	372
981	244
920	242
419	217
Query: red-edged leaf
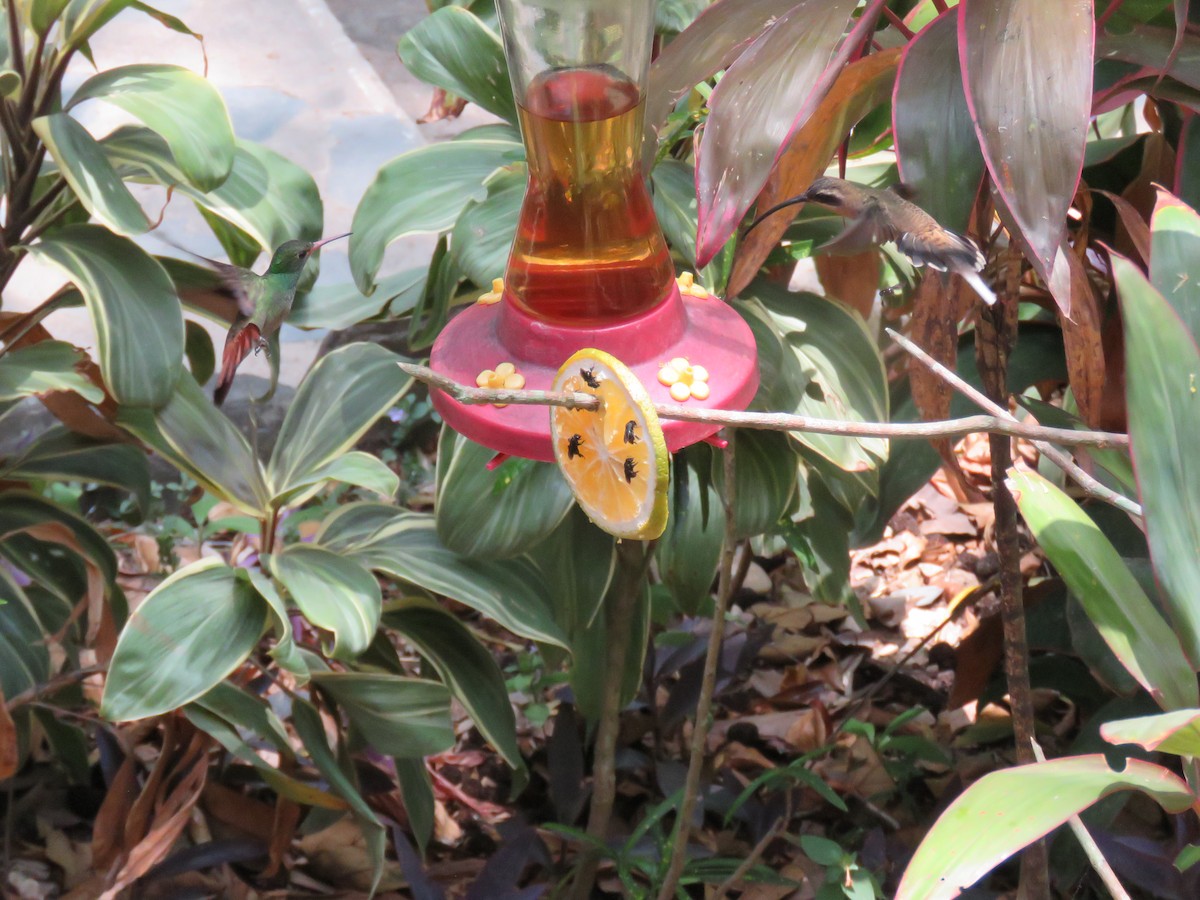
1081	337
763	100
1187	163
1007	810
1175	732
1175	250
1028	77
1135	226
1153	47
862	86
705	47
936	147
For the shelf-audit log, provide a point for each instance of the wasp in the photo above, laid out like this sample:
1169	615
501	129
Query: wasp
574	443
589	377
630	470
630	435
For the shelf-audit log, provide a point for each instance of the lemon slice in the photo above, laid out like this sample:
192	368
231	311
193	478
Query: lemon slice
614	458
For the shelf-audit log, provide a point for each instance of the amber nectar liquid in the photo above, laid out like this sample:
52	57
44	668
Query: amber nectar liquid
588	248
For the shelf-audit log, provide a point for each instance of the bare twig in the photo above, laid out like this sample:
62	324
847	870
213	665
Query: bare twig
1090	849
1052	453
955	428
696	753
49	687
633	558
756	853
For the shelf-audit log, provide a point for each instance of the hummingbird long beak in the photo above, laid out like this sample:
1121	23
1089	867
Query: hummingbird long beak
322	243
774	209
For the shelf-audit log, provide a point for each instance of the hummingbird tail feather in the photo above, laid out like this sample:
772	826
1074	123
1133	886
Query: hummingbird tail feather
972	278
237	347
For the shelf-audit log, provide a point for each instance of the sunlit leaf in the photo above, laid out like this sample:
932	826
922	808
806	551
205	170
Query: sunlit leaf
424	190
1028	74
186	636
82	162
340	398
483	234
454	50
1102	583
133	306
1162	391
43	367
1007	810
176	103
341	305
406	717
334	592
936	147
1175	732
354	467
1175	258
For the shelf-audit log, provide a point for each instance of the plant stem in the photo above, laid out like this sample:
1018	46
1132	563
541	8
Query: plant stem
16	51
269	527
994	337
697	751
633	558
1001	423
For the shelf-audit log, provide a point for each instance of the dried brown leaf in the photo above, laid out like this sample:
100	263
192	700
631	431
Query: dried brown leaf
854	280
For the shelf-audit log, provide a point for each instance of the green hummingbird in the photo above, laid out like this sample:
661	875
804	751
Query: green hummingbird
263	302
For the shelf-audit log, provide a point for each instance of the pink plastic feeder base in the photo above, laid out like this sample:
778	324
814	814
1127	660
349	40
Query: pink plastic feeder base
704	330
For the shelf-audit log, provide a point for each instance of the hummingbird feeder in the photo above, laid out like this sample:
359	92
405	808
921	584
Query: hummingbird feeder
589	266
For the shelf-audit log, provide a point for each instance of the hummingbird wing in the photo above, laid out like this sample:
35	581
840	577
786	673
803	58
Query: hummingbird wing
246	287
869	229
940	249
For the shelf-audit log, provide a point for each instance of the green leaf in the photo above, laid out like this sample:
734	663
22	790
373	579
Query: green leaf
198	347
10	83
416	790
190	632
576	564
44	367
1174	251
405	546
483	234
355	467
340	398
936	147
83	163
265	196
1175	732
195	436
334	592
424	190
177	104
24	657
1032	137
1107	590
311	731
59	453
1007	810
44	13
339	306
452	49
405	717
467	669
690	549
285	652
765	472
822	851
675	205
497	513
23	510
133	306
1162	391
817	359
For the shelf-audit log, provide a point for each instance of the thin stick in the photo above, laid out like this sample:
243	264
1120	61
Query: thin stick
1089	484
955	428
697	754
898	24
1090	848
756	853
633	558
48	687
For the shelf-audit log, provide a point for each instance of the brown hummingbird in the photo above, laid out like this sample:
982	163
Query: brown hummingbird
877	217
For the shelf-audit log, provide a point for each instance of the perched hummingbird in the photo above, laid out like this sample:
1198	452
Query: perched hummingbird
881	216
263	302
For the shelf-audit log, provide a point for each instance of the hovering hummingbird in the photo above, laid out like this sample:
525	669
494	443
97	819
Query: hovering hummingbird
263	302
881	216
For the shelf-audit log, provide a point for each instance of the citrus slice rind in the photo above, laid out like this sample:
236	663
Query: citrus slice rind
614	458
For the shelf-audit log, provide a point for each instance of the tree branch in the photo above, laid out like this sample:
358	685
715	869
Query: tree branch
1052	453
954	428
